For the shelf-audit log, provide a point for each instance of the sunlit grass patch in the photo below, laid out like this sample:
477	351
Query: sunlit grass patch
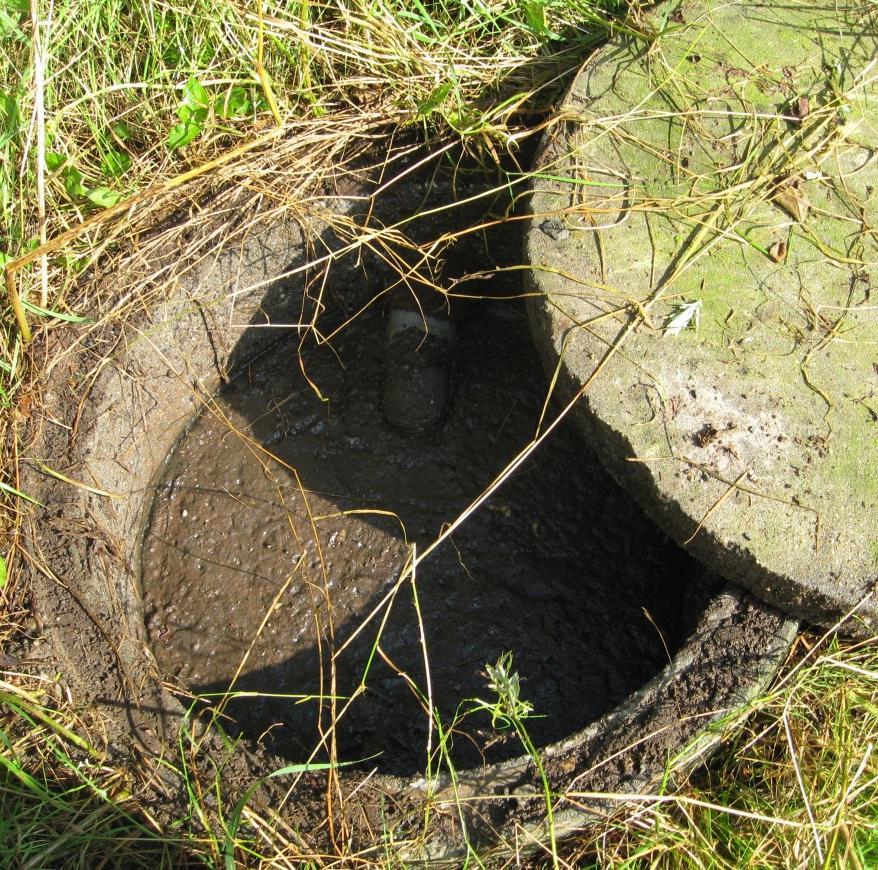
797	787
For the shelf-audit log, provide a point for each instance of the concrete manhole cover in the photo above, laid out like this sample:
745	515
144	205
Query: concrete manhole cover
703	241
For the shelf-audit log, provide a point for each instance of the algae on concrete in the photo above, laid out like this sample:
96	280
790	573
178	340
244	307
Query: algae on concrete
730	162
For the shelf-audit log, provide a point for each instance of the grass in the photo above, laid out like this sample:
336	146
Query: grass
115	117
796	787
510	710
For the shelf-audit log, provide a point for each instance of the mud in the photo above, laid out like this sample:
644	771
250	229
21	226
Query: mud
253	512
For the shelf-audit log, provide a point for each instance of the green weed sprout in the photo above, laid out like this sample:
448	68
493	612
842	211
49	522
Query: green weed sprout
510	710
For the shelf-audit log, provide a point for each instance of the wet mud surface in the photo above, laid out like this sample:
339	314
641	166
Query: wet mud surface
282	520
557	567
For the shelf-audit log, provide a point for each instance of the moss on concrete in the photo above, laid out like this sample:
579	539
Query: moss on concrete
735	168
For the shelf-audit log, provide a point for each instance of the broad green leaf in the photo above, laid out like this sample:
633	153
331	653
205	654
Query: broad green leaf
121	130
73	182
191	114
535	11
54	160
182	134
115	163
8	24
11	14
233	103
436	98
195	95
10	119
171	57
75	264
103	196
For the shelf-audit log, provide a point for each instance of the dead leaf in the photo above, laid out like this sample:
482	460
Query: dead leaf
24	408
793	201
705	435
778	251
802	108
8	661
682	317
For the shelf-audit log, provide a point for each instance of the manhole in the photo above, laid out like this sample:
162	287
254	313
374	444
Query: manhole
278	523
558	567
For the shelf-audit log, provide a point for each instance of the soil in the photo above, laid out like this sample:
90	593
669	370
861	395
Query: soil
559	566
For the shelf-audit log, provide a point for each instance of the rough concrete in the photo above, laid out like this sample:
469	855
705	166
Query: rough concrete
730	163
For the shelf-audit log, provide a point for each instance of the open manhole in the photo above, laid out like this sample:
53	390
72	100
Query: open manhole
272	510
556	567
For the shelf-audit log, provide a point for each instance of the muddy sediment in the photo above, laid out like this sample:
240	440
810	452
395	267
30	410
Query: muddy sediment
281	520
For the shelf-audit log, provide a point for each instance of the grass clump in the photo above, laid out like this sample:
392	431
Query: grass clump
100	99
795	788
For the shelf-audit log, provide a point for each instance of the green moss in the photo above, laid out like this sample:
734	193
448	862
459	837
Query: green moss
744	133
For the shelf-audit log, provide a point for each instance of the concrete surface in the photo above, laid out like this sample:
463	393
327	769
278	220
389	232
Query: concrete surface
729	164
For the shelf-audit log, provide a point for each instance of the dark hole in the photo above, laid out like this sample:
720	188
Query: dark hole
558	567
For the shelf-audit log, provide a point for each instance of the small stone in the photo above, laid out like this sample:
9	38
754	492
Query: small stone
555	229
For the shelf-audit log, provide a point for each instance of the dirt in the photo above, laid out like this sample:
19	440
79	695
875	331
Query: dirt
558	566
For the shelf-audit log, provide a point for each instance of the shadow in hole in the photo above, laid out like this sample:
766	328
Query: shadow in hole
558	566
